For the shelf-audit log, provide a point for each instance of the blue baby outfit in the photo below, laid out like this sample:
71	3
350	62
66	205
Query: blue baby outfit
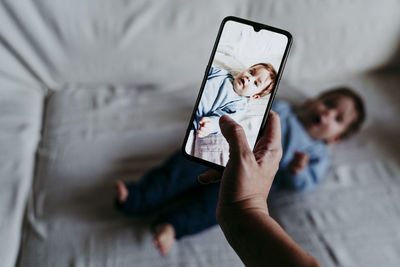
296	139
177	177
219	99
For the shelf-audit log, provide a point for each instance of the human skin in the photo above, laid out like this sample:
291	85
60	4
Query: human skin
205	128
250	82
164	233
242	210
299	162
325	118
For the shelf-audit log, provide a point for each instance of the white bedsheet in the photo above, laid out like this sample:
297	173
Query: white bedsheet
95	135
20	120
103	90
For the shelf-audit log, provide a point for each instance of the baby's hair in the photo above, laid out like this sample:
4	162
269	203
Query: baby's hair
358	104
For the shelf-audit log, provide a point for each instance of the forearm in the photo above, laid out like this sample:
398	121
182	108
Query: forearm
259	240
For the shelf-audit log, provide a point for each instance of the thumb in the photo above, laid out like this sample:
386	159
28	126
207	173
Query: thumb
234	135
271	139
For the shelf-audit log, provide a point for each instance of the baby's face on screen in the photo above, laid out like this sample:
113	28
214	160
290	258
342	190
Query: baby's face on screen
252	81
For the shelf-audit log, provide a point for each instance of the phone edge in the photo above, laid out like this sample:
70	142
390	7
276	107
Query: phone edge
272	97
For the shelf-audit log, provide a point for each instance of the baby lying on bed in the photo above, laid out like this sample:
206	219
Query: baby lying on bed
306	132
225	95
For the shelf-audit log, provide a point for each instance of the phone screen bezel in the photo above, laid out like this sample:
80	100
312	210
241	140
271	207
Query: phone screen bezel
257	26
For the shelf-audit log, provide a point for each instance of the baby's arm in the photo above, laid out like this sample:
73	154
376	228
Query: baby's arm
210	124
305	171
207	126
299	162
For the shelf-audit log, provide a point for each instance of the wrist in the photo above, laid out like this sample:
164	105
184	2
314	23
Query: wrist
241	210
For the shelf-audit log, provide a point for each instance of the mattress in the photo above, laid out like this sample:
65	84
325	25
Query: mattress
95	91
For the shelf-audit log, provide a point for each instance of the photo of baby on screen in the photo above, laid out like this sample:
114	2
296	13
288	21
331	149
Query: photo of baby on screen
239	83
224	94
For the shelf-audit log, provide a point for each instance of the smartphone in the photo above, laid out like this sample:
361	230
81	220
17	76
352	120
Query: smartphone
241	80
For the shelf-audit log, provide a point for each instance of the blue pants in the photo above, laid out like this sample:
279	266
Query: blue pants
176	178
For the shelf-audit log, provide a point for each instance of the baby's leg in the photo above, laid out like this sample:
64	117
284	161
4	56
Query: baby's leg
196	214
159	185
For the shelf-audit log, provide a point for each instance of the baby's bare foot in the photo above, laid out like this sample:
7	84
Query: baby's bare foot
122	191
164	238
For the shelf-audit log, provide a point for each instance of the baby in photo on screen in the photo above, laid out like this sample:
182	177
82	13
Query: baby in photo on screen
224	94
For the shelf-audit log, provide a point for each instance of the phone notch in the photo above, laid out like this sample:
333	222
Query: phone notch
256	28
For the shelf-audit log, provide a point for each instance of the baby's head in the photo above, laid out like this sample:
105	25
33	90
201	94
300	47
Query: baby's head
256	81
333	115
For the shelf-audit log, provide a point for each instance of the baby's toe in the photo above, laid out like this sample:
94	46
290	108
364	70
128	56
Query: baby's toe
122	191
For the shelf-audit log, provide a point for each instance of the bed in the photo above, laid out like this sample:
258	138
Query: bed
95	91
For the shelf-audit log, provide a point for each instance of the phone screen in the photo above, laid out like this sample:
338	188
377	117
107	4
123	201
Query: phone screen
240	81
